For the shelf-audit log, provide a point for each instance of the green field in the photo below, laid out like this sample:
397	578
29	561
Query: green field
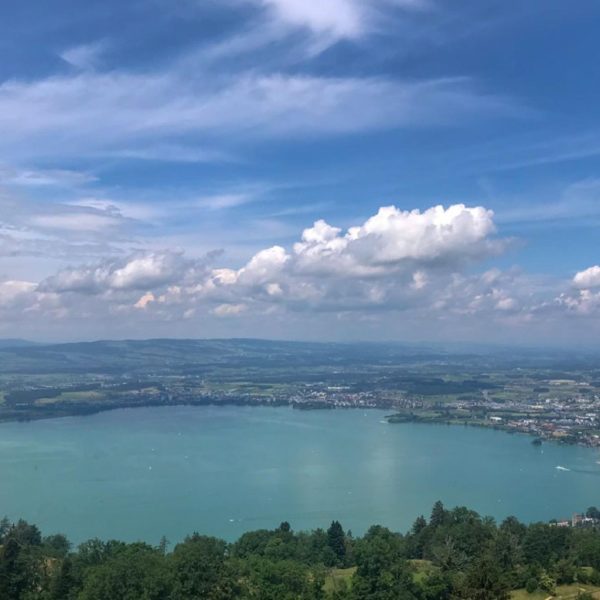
337	578
563	592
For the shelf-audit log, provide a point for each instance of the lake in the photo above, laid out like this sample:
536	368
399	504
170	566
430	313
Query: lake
147	472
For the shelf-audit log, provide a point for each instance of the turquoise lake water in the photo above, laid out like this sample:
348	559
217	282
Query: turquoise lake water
147	472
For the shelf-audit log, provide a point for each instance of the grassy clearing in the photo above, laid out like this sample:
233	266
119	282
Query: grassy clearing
83	396
563	592
422	569
336	577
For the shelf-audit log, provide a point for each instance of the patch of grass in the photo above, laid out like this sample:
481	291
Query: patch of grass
422	569
82	396
563	592
335	577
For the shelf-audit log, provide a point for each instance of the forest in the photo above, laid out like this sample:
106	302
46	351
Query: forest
454	553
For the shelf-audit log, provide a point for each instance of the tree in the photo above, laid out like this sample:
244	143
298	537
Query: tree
448	556
63	581
531	585
484	580
435	586
57	545
438	515
200	570
593	513
25	534
264	579
285	527
336	540
12	577
19	564
135	571
419	524
382	573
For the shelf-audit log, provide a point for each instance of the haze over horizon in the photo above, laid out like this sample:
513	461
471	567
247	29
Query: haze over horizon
409	170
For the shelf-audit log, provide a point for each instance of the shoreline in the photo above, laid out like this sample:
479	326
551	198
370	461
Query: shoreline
40	414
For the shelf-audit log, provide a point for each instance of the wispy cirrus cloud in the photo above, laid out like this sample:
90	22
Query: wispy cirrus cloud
85	56
90	113
24	177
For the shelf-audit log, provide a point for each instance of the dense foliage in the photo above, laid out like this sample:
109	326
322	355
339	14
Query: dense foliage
453	554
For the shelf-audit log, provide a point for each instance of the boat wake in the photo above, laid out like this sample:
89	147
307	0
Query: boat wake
559	468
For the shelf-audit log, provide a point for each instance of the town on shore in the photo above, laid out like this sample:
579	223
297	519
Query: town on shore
552	396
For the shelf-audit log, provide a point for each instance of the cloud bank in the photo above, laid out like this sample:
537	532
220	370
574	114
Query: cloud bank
397	266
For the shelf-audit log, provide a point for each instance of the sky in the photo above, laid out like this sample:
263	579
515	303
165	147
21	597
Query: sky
395	170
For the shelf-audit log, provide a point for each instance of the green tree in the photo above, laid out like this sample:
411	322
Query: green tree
56	545
200	570
419	525
20	564
63	582
438	515
484	580
134	572
531	585
264	579
593	513
336	540
382	572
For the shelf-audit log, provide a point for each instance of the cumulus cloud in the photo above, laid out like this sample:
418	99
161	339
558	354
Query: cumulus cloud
585	299
395	262
401	248
393	238
145	300
11	292
590	278
138	272
229	310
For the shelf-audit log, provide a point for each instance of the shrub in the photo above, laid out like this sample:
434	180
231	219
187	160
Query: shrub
531	585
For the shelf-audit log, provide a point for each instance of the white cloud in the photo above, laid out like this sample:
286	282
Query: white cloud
393	237
44	177
584	302
340	18
396	262
137	272
229	310
85	56
224	201
405	250
263	267
334	19
12	291
590	278
145	300
78	222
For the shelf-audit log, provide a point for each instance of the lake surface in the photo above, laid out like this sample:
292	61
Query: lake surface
141	473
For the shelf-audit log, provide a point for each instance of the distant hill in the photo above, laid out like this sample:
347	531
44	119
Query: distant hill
198	357
15	343
161	356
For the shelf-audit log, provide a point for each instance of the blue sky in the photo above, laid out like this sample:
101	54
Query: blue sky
161	159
